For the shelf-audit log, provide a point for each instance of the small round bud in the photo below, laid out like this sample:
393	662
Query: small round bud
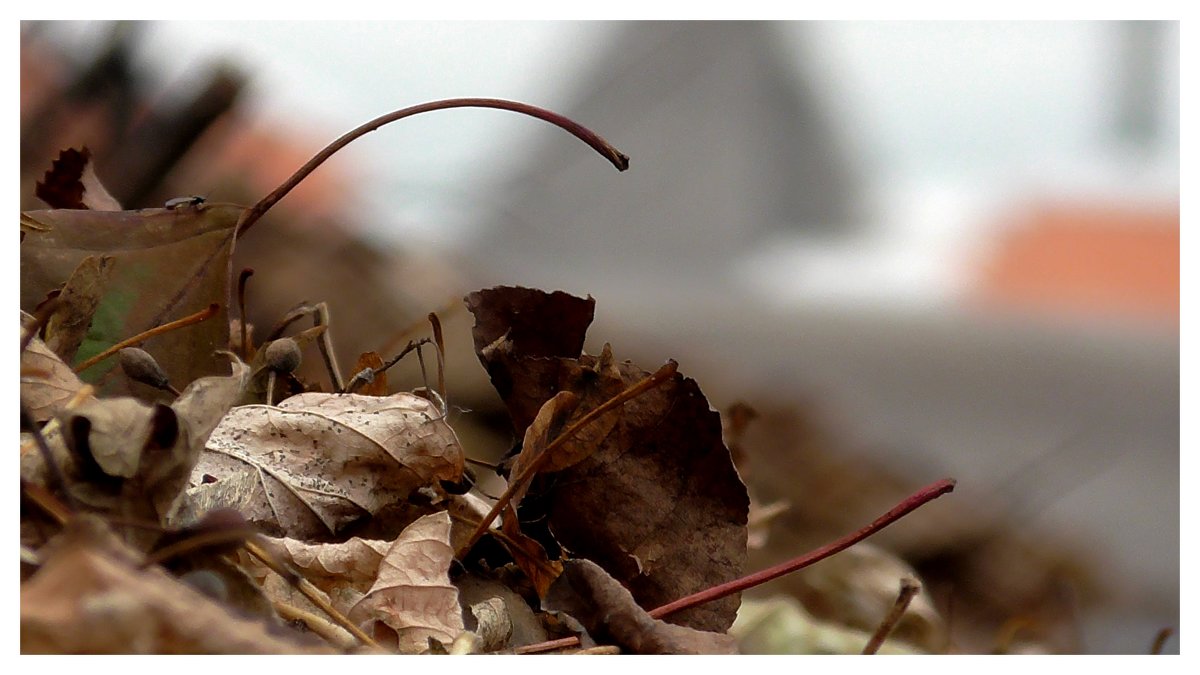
139	366
207	582
282	355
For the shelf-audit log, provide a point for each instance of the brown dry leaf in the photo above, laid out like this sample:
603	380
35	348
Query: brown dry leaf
77	304
528	554
166	264
71	183
318	461
92	597
121	455
47	384
377	385
546	426
412	598
659	505
609	612
533	324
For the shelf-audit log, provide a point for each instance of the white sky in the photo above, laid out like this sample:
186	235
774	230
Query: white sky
945	118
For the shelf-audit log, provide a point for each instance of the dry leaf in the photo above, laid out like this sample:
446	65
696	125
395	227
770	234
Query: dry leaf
377	385
527	629
412	597
528	554
92	597
659	505
342	571
113	432
608	611
77	304
122	456
320	461
166	264
71	183
47	384
857	587
492	624
781	625
546	426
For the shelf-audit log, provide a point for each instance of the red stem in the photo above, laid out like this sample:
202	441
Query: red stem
584	134
911	503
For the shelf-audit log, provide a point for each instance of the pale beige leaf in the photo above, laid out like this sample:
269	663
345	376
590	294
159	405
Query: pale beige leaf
323	460
46	382
412	595
354	561
117	431
342	571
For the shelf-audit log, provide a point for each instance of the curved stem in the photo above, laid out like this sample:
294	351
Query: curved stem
584	134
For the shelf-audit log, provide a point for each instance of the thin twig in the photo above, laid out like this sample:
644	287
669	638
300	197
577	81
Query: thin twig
250	216
46	501
661	375
1160	640
547	646
242	279
294	314
910	503
309	591
362	377
325	345
329	632
203	315
200	540
40	318
47	456
908	590
584	134
441	354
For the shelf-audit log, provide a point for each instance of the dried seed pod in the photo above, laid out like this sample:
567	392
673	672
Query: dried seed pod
139	366
207	582
282	355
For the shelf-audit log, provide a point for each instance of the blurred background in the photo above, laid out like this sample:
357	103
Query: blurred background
916	250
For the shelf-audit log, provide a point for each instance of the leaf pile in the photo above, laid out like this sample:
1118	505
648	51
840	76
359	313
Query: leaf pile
135	508
203	498
657	503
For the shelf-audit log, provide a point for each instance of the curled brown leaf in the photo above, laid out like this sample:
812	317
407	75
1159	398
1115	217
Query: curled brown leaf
609	612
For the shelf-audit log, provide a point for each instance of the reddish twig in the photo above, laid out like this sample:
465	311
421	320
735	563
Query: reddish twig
658	377
251	215
1160	641
203	315
908	589
910	504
